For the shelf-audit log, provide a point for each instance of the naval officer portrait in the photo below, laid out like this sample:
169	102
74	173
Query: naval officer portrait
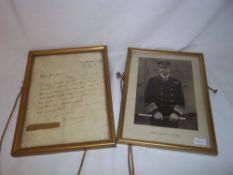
164	97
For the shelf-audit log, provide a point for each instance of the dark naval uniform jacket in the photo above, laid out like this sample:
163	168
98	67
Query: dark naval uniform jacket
167	96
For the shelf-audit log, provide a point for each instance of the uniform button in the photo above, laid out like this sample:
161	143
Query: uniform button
161	99
161	93
171	89
161	105
171	100
171	94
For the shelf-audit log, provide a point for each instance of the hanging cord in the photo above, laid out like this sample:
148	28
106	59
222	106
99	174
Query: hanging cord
122	77
82	161
9	118
213	90
130	160
130	150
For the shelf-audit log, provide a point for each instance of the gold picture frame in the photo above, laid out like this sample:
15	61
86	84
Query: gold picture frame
165	102
66	102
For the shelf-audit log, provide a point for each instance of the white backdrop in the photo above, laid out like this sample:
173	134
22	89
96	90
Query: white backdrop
201	26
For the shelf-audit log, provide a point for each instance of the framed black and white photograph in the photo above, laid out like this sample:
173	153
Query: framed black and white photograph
165	94
165	101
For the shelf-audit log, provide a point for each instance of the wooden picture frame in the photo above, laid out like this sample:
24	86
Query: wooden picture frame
66	102
165	102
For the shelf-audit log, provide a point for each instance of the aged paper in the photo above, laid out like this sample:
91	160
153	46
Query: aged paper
165	134
67	101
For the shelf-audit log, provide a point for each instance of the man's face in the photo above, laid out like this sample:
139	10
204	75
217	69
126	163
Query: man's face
164	70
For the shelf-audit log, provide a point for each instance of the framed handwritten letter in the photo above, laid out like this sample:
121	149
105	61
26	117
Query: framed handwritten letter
165	102
66	102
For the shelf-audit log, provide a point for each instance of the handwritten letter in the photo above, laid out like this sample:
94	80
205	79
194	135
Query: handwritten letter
68	89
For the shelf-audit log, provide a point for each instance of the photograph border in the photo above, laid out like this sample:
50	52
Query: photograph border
131	141
110	142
